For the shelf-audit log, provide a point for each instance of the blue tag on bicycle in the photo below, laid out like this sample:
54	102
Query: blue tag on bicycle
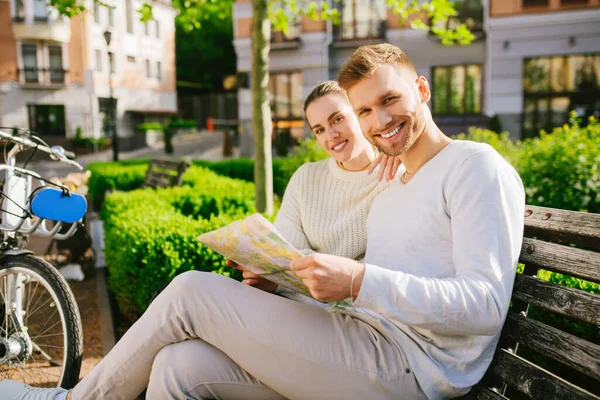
53	204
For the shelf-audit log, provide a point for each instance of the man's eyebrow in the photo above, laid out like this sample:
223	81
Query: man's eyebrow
387	94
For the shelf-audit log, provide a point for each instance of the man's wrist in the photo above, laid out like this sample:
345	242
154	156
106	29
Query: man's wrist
357	279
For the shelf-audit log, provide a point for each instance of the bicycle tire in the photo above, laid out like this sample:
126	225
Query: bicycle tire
68	305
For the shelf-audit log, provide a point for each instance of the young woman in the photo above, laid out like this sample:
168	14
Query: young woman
324	210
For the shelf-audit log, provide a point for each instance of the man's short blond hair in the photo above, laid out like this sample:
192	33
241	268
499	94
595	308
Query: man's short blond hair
366	59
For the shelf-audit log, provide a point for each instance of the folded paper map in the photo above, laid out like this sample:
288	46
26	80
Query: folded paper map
254	243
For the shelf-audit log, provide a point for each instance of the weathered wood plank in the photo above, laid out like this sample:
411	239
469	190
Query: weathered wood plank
570	350
567	260
562	225
481	392
533	381
572	303
156	181
168	164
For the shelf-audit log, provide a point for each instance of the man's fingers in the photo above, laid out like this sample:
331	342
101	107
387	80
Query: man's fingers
235	265
251	282
390	168
375	163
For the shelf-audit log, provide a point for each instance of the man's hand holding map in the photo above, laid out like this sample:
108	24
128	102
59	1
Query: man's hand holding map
255	244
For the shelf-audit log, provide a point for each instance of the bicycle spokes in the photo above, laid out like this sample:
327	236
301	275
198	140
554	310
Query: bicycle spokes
32	337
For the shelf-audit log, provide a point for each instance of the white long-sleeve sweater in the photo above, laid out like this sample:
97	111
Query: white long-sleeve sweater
325	209
440	264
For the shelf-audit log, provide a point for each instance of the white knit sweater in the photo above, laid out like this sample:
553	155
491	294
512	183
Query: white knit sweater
325	209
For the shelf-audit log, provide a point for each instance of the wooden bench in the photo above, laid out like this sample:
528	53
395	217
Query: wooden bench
165	173
559	365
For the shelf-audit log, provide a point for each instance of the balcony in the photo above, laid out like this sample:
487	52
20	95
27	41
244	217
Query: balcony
354	33
470	13
50	78
280	40
40	29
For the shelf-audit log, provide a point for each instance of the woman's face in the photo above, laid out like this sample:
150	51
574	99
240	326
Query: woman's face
336	127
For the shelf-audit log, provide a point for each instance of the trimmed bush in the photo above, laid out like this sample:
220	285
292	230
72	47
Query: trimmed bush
150	235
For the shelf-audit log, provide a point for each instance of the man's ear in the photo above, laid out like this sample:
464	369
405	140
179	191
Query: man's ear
423	88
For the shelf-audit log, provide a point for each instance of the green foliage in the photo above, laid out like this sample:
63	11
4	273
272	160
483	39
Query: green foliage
562	169
182	124
114	176
150	235
558	169
149	126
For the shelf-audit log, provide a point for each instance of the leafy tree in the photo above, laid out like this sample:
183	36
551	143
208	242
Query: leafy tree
279	14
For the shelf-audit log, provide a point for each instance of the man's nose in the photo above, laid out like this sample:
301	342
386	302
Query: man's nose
382	119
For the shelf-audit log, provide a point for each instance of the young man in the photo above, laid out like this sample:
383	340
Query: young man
429	299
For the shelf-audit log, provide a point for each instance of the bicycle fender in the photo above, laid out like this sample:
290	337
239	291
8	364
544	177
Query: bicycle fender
53	204
15	252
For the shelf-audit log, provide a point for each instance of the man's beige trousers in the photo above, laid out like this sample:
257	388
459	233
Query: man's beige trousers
208	336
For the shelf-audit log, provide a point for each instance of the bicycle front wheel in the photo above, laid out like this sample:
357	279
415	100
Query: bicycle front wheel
41	342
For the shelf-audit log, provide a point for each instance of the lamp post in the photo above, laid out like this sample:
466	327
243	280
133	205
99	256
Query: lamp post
113	122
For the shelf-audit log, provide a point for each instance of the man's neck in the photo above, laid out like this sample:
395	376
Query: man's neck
431	141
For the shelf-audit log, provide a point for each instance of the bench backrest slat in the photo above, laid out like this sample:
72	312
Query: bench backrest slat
566	260
568	243
534	381
561	225
570	350
563	300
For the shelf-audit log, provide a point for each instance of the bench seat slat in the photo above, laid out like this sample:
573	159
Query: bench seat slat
577	353
157	181
569	302
484	393
174	165
569	226
534	381
563	259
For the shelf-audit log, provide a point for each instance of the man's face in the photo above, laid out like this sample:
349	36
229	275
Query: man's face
389	107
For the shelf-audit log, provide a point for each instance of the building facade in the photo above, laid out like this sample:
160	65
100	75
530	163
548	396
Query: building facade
469	83
57	74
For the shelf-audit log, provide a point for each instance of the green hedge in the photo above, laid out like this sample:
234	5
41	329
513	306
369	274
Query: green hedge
559	169
150	235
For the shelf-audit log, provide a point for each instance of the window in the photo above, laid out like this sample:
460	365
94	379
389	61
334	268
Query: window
111	16
554	86
129	15
146	28
30	66
98	61
527	3
156	29
470	13
148	69
40	11
286	105
361	19
131	59
111	63
96	12
19	11
57	72
457	89
158	70
46	119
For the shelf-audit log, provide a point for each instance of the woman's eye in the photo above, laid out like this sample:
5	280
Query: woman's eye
389	99
339	118
319	131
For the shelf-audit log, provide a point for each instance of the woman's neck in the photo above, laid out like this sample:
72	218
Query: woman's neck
361	161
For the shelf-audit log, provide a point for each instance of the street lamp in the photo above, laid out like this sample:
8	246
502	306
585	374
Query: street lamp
113	123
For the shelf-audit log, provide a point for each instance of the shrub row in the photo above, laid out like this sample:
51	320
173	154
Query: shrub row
150	235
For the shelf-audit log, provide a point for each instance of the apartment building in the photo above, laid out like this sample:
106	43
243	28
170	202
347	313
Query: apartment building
545	61
469	83
57	74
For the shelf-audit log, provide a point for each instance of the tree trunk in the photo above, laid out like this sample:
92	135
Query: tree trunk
261	111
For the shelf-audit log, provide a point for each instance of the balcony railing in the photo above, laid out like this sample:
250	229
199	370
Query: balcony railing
295	29
470	13
42	76
357	30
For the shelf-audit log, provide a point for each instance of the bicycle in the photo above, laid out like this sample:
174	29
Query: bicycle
41	340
